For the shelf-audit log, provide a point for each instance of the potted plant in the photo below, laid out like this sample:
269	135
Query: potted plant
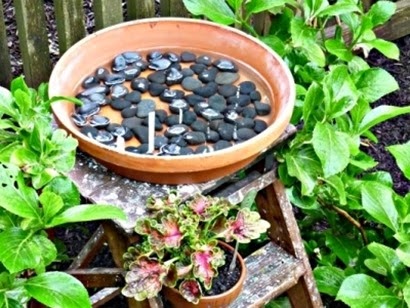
180	248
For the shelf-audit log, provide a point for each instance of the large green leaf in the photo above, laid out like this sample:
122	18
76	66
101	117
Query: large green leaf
331	147
385	259
57	289
401	153
406	292
340	7
18	199
337	184
375	83
403	252
339	49
381	114
215	10
387	48
257	6
363	291
66	189
52	204
312	105
20	250
345	248
305	166
87	212
381	11
328	279
377	200
6	102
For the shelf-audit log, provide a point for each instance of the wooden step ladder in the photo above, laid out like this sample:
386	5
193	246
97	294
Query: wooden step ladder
281	266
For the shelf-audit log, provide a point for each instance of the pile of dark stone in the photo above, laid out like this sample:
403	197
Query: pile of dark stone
206	112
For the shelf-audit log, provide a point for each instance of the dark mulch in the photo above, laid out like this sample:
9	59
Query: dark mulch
395	131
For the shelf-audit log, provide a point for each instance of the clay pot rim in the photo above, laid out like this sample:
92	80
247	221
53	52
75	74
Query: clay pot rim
245	148
238	284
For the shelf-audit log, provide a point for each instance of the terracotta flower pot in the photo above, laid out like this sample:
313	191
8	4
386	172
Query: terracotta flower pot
216	301
256	62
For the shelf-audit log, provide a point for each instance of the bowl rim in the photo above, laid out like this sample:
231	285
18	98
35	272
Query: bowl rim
284	118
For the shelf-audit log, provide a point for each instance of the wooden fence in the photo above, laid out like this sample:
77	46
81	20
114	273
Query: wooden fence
34	44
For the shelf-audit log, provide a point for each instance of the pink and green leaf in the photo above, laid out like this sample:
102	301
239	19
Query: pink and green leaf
168	203
190	289
246	226
143	226
145	278
203	269
168	233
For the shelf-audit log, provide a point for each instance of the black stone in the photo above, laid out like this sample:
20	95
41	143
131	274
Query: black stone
194	99
157	124
178	140
159	141
89	131
225	65
176	66
217	102
189	117
199	126
159	64
208	75
145	107
173	76
260	126
89	82
131	56
120	104
131	122
158	77
227	90
191	83
118	91
231	116
104	137
154	55
155	89
222	144
142	64
119	63
97	89
129	112
199	107
169	94
187	56
88	109
186	151
133	96
172	119
255	95
215	124
249	112
173	57
79	119
242	100
176	130
187	72
131	72
141	133
207	90
140	84
161	114
246	87
99	121
195	138
204	59
113	79
143	148
202	149
177	105
119	130
132	149
226	78
170	149
211	114
212	136
262	109
226	131
98	98
101	73
245	133
198	68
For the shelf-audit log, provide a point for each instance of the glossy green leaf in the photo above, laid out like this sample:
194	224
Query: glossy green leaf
66	189
340	7
381	11
357	64
249	199
305	166
328	279
380	114
389	49
312	105
52	204
376	83
331	148
363	291
303	202
216	10
275	43
403	252
19	84
58	289
343	247
257	6
339	49
314	52
385	259
337	184
20	250
406	292
401	153
6	102
87	212
377	200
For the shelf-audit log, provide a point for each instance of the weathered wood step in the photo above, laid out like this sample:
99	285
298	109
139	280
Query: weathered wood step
271	271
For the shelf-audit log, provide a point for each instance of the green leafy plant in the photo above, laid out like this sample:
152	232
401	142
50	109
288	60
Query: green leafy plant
179	245
36	195
349	210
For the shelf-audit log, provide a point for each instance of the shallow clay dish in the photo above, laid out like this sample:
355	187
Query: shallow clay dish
256	62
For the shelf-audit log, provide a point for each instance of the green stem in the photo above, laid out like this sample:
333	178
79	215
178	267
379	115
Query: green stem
235	255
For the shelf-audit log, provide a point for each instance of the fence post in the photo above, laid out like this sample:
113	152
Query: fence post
140	9
107	13
5	76
70	22
173	8
33	40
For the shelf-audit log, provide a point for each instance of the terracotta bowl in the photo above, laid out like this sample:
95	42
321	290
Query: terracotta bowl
256	62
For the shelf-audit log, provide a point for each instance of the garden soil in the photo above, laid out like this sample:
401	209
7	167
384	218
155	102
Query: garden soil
396	131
